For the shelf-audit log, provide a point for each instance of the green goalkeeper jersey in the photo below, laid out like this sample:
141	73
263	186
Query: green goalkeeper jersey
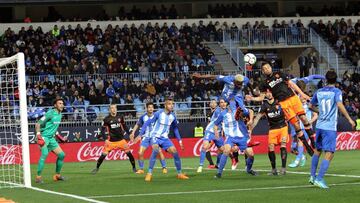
49	123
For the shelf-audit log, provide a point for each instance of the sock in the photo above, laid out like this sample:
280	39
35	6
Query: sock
301	153
202	157
272	159
177	162
236	156
59	162
249	163
163	163
41	164
294	144
245	157
306	145
310	133
314	164
141	164
222	164
100	160
323	168
152	161
131	159
208	157
218	158
283	153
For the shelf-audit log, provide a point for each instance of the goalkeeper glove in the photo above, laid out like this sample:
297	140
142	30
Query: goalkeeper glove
40	141
60	138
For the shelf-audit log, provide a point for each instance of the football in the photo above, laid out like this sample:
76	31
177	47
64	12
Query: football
250	58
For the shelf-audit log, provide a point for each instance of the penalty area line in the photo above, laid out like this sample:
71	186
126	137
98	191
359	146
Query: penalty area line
87	199
217	191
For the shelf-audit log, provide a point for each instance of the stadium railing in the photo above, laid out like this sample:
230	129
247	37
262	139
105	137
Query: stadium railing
93	114
254	37
326	52
129	76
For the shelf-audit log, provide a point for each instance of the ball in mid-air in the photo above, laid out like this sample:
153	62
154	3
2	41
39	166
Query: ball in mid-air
250	58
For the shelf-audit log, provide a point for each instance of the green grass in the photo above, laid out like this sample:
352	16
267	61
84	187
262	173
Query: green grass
116	178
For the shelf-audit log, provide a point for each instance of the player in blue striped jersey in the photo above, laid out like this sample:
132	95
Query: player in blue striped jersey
236	133
164	119
210	136
329	100
233	85
146	139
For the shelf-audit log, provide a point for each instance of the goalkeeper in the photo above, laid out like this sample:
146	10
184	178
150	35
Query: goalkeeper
46	134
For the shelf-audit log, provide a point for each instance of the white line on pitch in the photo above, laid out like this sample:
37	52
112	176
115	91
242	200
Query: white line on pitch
264	170
87	199
217	191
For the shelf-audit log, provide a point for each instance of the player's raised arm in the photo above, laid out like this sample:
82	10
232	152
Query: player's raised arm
255	99
207	76
297	89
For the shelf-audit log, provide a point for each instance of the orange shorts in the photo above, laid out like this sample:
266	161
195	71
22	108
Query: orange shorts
277	136
122	145
292	107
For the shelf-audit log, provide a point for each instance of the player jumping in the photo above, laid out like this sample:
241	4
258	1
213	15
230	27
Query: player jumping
113	131
46	131
282	89
210	136
329	99
297	146
146	139
278	133
164	119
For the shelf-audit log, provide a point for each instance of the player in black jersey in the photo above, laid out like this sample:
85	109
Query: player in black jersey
278	133
113	131
283	92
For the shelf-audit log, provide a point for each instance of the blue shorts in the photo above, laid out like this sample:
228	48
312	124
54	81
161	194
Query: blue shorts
325	140
164	143
145	142
209	136
241	142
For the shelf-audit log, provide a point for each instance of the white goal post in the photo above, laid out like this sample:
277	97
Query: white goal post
14	133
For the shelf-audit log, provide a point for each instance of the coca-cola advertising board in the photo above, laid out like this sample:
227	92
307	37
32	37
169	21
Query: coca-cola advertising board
90	151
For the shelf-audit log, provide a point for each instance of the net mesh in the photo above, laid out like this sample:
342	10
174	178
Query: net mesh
11	163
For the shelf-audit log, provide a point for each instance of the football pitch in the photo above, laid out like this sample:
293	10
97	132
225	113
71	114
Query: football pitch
115	182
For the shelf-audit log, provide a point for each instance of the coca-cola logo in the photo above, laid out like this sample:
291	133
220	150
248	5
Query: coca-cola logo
347	141
88	152
198	145
8	154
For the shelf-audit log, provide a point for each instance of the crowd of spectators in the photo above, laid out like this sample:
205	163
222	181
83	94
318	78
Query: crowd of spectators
169	51
147	48
344	35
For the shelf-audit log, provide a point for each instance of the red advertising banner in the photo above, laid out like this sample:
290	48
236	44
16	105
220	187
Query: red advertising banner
90	151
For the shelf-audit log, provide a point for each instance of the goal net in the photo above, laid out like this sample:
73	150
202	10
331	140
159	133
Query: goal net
14	140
